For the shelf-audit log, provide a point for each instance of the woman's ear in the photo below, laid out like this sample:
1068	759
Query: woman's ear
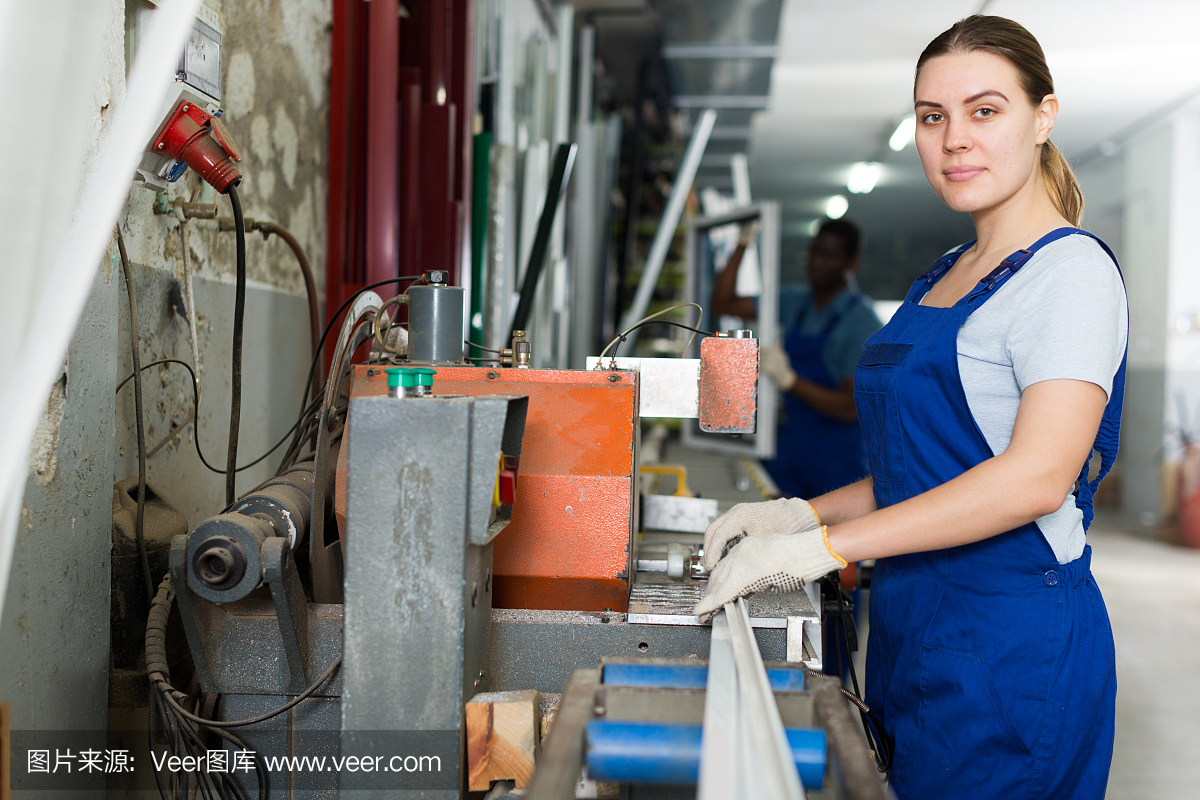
1046	114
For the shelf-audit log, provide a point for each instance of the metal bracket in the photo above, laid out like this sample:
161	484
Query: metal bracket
204	619
291	610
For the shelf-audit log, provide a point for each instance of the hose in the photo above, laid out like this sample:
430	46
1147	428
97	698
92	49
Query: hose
239	318
621	336
310	286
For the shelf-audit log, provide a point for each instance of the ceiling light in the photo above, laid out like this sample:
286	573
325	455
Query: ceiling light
863	177
836	206
903	133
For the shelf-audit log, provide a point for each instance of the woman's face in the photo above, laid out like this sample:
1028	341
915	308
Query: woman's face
977	133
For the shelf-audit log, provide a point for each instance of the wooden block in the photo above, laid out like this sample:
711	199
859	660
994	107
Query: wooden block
502	737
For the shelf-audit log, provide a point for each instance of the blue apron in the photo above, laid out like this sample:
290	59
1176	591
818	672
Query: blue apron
990	665
815	454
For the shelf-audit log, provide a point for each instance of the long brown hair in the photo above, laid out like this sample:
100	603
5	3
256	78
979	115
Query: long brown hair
1011	41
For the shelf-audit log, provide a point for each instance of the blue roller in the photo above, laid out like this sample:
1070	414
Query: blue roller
689	676
652	752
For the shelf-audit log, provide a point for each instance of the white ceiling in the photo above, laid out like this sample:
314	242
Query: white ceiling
843	78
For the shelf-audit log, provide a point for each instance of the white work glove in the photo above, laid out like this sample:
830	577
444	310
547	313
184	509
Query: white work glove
789	515
775	362
748	233
779	562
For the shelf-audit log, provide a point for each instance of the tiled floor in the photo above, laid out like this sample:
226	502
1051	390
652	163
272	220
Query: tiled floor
1153	595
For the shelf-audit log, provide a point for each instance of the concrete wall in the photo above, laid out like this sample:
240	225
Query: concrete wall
1144	201
54	638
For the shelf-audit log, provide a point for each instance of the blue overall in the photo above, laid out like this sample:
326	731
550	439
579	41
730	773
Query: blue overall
815	454
990	665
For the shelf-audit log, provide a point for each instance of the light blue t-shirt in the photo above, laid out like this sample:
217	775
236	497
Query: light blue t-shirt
1062	316
857	321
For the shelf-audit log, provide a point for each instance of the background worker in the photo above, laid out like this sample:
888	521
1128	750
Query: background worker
990	662
823	325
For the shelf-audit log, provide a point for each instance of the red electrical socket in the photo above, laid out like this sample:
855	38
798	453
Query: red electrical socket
201	141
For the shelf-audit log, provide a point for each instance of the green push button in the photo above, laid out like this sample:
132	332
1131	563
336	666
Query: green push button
408	377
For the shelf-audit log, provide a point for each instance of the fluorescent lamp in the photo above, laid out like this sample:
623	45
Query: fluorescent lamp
903	133
863	177
836	206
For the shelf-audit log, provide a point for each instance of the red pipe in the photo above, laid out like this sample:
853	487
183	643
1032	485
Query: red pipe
410	171
382	208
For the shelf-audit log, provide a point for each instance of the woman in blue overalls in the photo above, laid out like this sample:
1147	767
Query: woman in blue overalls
990	662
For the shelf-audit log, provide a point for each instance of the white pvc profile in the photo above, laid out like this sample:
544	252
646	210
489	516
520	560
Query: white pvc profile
68	275
670	220
766	768
744	752
719	741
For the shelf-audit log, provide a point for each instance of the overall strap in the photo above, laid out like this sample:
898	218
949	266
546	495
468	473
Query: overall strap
1108	436
834	318
934	273
1009	266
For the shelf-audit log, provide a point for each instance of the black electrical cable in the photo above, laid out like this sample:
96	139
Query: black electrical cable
196	403
162	792
334	318
184	741
883	753
140	521
241	723
160	677
481	347
239	318
159	363
621	339
325	335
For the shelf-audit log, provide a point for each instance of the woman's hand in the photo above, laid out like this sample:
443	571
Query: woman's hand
785	516
779	562
1055	428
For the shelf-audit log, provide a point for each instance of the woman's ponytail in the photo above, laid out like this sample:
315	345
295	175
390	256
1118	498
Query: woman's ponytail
1060	182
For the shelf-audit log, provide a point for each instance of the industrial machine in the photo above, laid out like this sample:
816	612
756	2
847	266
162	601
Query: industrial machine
468	537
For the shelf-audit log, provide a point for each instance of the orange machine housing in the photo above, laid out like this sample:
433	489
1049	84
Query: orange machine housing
570	544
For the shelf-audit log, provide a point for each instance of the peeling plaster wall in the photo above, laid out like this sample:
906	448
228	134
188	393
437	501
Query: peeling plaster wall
54	637
275	57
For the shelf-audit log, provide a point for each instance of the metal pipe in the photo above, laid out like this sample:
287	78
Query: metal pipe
186	211
556	190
